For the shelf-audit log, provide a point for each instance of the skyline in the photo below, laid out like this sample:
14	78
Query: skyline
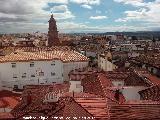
80	15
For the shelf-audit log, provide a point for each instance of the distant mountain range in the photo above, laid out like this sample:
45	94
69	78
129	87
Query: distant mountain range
139	34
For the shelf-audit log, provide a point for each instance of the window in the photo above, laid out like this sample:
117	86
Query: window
13	65
32	75
24	75
53	73
41	73
53	63
15	87
32	64
15	76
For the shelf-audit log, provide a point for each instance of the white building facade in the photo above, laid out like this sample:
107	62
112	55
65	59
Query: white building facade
18	74
16	70
105	63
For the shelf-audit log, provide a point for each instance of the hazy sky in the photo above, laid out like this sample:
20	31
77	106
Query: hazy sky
79	15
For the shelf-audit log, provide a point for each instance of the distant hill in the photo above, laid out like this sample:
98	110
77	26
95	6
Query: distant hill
140	34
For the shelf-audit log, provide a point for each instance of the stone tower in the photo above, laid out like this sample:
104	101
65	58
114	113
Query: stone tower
53	39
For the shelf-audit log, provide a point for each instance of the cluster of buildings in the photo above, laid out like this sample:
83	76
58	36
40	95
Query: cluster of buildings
96	77
35	66
91	94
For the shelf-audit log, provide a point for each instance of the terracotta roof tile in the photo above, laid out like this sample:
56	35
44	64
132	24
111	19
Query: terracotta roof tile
135	110
117	75
34	54
152	93
73	109
136	79
95	106
9	99
6	116
37	94
155	80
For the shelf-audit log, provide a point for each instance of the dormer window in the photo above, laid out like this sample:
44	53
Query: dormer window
31	64
13	65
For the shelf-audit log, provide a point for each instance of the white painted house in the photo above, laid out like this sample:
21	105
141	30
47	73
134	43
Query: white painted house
75	86
105	62
34	67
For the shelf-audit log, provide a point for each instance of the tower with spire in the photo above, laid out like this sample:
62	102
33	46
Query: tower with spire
53	39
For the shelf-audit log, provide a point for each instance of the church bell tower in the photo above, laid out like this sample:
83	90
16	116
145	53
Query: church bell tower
53	39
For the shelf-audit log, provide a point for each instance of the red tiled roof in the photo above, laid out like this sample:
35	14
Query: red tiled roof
6	116
66	106
135	110
80	95
150	59
151	79
102	86
136	79
117	75
155	80
9	99
152	93
92	85
37	94
74	109
33	53
95	106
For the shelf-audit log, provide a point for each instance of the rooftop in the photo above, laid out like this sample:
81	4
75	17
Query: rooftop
39	54
117	75
9	99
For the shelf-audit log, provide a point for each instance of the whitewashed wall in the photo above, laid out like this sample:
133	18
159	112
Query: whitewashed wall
5	110
105	64
89	53
131	93
75	86
118	83
69	66
60	69
7	72
110	66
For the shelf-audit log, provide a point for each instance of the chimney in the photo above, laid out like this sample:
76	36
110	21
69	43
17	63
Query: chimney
73	94
117	94
29	98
